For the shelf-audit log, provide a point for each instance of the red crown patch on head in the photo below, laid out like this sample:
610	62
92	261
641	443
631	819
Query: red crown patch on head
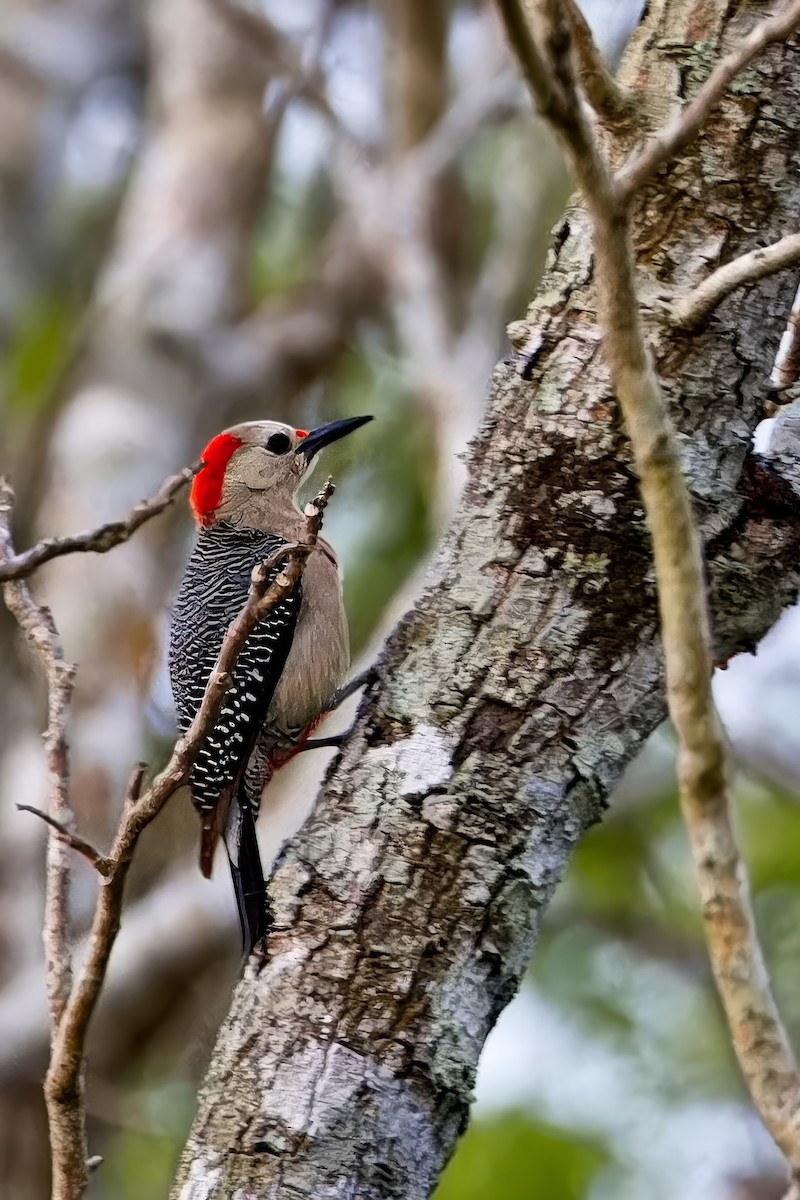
207	484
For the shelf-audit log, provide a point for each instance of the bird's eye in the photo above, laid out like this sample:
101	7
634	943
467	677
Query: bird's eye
279	443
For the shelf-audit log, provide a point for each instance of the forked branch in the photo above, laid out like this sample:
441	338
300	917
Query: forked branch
99	540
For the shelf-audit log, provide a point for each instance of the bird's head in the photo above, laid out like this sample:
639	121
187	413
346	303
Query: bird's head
258	463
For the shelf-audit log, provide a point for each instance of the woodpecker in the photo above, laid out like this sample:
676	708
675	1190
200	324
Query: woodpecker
243	500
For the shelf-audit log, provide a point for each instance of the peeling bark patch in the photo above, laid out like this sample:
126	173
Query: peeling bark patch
353	1094
423	761
203	1178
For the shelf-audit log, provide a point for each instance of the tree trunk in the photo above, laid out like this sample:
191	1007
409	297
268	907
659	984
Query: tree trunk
511	699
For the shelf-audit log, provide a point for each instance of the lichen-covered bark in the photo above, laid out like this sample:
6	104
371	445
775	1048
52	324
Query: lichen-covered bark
512	697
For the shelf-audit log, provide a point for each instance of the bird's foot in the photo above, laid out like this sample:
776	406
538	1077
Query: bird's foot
338	739
348	689
323	743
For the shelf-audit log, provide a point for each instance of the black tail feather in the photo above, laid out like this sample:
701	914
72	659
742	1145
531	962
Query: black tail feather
248	878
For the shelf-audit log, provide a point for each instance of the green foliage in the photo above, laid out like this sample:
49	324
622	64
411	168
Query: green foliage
622	952
36	351
517	1158
139	1166
380	543
140	1156
769	826
288	239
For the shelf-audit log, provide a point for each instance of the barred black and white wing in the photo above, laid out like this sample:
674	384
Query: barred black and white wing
213	592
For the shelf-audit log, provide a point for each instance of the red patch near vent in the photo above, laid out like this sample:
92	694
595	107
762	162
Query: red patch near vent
301	433
207	484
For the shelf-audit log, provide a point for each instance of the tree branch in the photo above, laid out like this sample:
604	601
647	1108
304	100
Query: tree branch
760	1040
609	101
689	311
37	624
168	938
74	841
279	52
101	539
683	129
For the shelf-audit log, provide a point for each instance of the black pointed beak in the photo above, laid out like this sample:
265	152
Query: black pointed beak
314	441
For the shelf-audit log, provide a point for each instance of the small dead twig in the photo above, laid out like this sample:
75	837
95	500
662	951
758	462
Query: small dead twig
102	539
72	1004
757	1032
689	311
73	840
678	133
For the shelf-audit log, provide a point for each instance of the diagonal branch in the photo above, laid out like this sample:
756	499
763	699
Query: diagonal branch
74	841
676	136
66	1064
102	539
689	311
760	1040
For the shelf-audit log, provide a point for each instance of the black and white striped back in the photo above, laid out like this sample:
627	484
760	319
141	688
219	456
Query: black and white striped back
213	592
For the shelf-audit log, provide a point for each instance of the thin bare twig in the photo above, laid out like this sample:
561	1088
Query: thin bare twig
101	539
37	625
547	94
759	1037
73	840
72	1014
689	311
676	135
612	105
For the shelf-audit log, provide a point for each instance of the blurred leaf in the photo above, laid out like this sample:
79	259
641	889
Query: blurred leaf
381	522
139	1160
37	349
606	871
769	829
139	1166
516	1158
288	240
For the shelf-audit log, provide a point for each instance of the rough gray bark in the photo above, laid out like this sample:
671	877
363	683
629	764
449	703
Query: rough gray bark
511	699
